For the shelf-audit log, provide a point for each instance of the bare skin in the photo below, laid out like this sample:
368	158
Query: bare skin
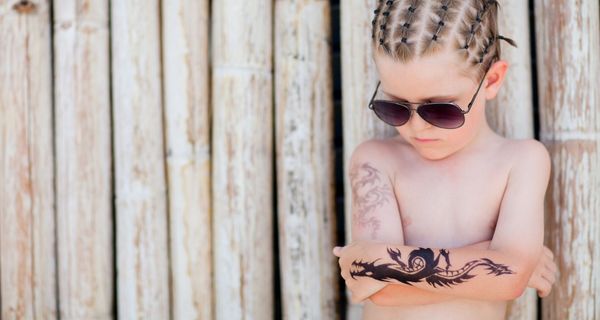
446	194
451	205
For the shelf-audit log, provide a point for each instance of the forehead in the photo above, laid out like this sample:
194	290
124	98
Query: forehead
423	77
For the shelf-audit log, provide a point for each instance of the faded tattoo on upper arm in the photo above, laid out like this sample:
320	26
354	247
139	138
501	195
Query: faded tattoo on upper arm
369	192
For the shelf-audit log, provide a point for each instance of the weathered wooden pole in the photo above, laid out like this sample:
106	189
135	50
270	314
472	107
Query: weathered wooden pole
359	78
186	88
511	113
83	159
568	54
27	238
304	121
141	207
242	142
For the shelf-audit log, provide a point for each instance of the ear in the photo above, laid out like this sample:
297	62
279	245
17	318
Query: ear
495	78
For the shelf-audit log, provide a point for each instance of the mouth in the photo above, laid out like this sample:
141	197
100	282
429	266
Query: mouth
424	140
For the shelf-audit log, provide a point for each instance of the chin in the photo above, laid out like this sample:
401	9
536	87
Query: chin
433	154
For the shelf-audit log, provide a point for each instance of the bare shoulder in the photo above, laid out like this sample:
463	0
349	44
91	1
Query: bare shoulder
376	151
527	155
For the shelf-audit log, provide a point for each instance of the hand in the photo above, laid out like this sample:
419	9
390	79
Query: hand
545	273
360	287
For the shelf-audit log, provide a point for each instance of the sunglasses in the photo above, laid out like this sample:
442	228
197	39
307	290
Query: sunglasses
446	115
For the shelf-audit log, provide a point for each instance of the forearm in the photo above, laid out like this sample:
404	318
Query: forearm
466	272
399	295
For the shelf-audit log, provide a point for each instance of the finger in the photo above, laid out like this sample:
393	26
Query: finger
548	252
551	268
336	251
548	277
544	289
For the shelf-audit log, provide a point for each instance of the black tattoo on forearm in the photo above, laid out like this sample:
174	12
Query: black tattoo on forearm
369	192
422	265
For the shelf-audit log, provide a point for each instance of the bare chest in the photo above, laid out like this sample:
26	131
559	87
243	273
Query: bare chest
450	206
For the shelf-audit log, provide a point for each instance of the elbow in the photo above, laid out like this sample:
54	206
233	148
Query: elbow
380	298
520	281
516	290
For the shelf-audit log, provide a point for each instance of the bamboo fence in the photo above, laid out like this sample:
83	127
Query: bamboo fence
176	159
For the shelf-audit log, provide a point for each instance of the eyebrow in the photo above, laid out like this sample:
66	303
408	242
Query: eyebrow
436	98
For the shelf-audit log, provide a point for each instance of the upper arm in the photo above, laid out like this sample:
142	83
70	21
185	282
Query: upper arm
375	213
520	226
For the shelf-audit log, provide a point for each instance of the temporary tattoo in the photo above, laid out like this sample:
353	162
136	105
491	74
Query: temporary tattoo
422	265
369	192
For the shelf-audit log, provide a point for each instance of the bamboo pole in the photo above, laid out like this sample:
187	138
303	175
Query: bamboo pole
511	113
186	83
304	120
359	78
83	159
569	84
141	216
243	159
27	255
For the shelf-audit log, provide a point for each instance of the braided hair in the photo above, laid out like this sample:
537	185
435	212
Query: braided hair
406	29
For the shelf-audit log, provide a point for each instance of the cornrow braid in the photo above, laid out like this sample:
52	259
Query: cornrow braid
404	48
445	16
396	29
477	21
376	12
383	27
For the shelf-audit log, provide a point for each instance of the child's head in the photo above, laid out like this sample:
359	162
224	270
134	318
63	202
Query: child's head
439	48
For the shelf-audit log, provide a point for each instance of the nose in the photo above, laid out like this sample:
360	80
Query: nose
417	123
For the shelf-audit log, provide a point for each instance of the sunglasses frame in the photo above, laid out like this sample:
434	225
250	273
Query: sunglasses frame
407	105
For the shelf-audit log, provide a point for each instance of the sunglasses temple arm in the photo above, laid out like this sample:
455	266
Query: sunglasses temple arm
374	93
476	92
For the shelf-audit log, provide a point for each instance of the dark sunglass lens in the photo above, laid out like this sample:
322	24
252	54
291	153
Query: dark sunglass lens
442	115
390	113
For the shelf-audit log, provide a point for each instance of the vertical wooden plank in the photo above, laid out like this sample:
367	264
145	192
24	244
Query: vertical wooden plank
83	159
359	78
186	83
568	47
243	159
304	120
141	216
27	255
511	113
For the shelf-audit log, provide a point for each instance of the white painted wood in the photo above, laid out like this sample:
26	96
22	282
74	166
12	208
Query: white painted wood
83	159
511	113
304	121
141	208
359	78
568	51
186	88
242	141
27	241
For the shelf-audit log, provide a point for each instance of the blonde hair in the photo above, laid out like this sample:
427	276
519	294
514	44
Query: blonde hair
405	29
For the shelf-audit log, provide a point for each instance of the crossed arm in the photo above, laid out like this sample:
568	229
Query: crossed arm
500	271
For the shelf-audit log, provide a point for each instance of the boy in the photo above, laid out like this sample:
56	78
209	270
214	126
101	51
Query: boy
447	217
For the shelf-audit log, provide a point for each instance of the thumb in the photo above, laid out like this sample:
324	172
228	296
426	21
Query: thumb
336	251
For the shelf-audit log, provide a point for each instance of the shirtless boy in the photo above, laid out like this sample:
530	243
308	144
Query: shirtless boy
451	227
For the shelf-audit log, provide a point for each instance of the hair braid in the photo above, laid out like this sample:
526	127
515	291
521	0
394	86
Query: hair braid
439	26
476	21
475	35
405	29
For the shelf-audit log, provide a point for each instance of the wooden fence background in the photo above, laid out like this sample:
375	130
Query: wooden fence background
184	159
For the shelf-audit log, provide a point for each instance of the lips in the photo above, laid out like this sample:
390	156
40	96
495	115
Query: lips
424	139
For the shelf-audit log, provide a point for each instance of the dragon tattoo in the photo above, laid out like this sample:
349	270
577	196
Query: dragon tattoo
422	265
